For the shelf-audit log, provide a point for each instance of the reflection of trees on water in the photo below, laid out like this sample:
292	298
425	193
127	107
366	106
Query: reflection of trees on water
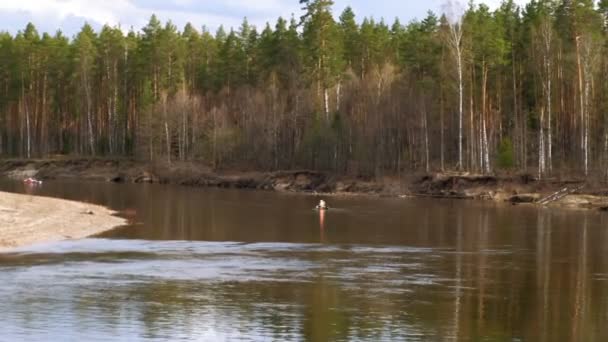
482	274
543	271
322	312
580	327
549	293
497	276
458	278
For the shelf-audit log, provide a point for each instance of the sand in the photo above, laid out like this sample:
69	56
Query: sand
27	220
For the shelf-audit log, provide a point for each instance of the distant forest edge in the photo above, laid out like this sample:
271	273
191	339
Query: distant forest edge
517	89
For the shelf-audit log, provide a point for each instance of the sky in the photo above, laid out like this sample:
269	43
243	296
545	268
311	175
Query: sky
70	15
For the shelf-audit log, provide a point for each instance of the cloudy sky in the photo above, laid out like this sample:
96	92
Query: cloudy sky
69	15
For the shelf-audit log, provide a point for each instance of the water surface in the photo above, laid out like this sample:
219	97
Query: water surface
215	265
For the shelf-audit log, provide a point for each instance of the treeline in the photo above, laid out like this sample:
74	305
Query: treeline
519	89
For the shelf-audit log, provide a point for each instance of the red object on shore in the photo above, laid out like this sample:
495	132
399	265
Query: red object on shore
32	181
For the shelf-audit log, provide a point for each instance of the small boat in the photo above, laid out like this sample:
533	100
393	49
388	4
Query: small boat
32	181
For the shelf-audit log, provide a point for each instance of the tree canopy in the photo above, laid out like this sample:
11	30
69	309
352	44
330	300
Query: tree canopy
516	88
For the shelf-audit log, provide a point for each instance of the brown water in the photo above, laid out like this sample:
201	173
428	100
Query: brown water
223	265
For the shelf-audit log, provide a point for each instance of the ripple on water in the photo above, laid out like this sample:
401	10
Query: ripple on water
164	287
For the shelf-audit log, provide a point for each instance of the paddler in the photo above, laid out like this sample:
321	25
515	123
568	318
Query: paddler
322	205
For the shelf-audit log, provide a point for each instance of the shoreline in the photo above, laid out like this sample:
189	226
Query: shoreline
27	220
510	188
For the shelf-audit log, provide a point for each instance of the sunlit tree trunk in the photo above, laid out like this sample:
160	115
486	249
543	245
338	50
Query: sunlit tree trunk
455	43
485	148
338	95
24	102
166	126
44	143
547	40
88	100
109	105
472	138
581	103
326	103
541	145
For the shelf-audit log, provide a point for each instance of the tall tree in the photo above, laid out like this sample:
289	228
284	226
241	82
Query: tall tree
454	40
85	54
323	47
350	95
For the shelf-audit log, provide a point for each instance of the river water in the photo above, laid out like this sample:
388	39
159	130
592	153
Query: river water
225	265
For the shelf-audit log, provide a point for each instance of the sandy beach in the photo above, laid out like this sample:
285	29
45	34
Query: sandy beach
27	220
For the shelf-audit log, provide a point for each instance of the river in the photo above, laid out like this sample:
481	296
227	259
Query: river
223	265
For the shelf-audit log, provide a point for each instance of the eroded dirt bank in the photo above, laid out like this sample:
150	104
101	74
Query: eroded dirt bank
510	188
26	220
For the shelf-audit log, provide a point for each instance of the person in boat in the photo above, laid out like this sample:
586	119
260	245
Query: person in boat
322	205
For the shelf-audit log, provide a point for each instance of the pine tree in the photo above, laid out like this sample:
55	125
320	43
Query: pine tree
86	54
323	51
361	97
349	31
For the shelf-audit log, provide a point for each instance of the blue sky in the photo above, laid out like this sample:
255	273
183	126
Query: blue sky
69	15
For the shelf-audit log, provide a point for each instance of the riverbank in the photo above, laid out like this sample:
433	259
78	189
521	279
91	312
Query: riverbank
27	220
515	189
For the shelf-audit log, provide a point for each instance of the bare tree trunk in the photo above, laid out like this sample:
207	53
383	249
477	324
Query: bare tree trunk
109	105
44	143
338	95
126	100
480	145
460	110
517	130
547	38
28	130
588	62
581	101
426	138
488	167
87	91
484	113
541	145
113	122
472	138
326	103
167	135
168	138
184	138
27	119
560	82
455	42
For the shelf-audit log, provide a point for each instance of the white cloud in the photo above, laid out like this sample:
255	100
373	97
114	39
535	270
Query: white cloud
57	10
52	14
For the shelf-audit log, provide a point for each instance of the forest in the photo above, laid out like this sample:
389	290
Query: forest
516	89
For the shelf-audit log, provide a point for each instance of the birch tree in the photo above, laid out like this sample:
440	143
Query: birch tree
85	56
453	12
